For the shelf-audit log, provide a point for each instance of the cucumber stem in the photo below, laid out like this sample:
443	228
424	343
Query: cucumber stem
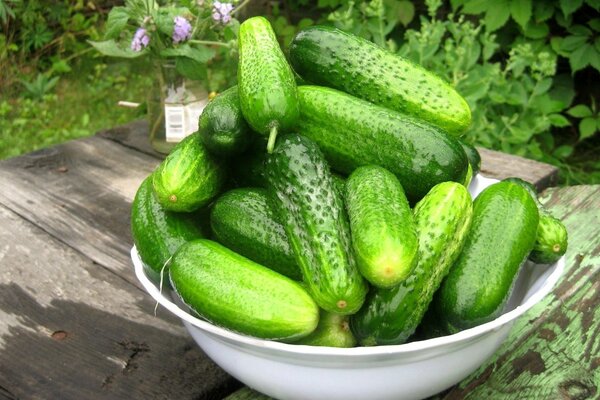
272	137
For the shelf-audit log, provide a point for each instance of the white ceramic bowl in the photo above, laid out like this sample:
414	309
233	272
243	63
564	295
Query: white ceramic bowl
408	371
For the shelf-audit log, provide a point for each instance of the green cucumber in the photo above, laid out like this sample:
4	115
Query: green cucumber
382	226
188	178
352	132
239	294
468	177
243	220
503	231
222	126
312	212
390	316
248	168
158	233
333	330
551	241
266	82
473	156
330	57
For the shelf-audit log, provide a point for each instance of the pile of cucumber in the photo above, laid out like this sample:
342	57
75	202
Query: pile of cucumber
338	214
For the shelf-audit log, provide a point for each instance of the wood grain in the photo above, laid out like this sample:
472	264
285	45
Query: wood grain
72	330
80	192
134	135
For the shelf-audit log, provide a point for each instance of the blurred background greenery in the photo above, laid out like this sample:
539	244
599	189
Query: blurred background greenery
530	70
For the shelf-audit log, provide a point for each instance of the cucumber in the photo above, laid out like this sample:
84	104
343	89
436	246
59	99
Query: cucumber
158	233
469	176
333	330
473	156
236	293
503	231
551	241
390	316
243	220
248	168
352	132
384	235
312	212
327	56
222	126
266	82
188	178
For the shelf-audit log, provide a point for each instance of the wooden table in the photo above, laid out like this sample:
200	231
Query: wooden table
75	323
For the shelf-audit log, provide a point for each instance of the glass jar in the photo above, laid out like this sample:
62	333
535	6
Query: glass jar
174	106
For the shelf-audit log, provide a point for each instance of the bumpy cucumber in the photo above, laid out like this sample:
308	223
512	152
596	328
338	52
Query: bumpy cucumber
381	221
266	83
237	293
473	156
188	178
551	241
158	233
222	126
243	220
333	330
330	57
503	231
352	132
312	212
390	316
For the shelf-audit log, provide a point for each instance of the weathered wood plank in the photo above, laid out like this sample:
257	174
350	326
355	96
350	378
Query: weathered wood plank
72	330
80	192
133	135
553	351
495	164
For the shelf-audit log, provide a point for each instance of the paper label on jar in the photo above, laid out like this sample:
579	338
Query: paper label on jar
182	120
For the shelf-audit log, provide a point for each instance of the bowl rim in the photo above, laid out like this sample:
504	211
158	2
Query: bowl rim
428	344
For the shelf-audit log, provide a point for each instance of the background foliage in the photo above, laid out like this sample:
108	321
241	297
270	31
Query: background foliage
530	70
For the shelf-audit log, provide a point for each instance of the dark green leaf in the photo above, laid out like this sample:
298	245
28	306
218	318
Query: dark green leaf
563	21
563	151
475	6
406	12
190	69
580	30
595	24
521	11
595	4
587	128
542	86
543	10
558	120
594	56
199	53
116	22
572	43
570	6
112	49
536	31
579	58
496	15
580	111
562	89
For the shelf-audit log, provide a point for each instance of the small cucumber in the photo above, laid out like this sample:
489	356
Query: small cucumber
382	226
503	231
330	57
158	233
473	156
243	220
222	126
266	83
312	212
333	330
188	178
390	316
236	293
469	176
353	132
551	241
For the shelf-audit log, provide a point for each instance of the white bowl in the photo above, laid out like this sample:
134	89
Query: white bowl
409	371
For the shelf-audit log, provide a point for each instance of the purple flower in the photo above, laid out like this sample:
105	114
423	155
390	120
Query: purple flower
222	12
140	40
182	30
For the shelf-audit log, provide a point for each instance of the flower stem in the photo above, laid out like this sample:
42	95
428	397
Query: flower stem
209	43
238	8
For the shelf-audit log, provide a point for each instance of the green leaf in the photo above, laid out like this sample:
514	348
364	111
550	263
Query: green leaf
572	43
110	48
497	15
116	22
542	86
580	111
595	24
475	6
200	54
558	120
563	151
594	57
587	128
521	11
595	4
536	31
568	7
580	30
543	10
190	69
562	89
406	12
579	58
